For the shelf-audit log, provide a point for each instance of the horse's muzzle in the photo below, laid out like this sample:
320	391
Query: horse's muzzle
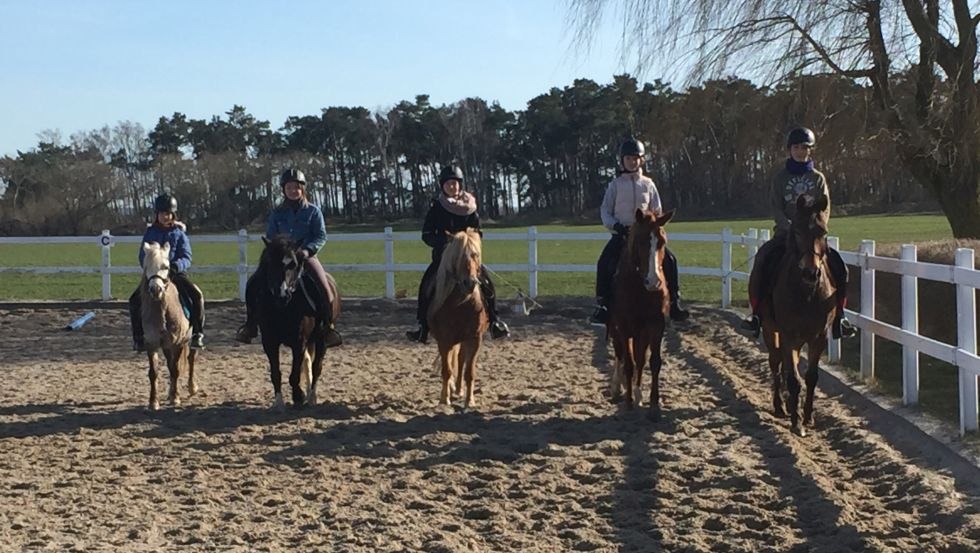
651	284
468	284
811	276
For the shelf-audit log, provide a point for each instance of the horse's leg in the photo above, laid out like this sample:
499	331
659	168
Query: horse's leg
458	369
656	363
629	367
791	356
300	356
191	385
775	362
813	352
272	352
319	351
641	343
152	374
616	379
468	358
446	354
173	364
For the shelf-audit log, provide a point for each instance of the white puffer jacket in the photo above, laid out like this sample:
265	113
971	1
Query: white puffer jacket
625	194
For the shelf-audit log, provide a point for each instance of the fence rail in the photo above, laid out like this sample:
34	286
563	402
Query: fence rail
961	274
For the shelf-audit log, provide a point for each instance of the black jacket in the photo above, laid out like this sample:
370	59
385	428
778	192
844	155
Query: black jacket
439	222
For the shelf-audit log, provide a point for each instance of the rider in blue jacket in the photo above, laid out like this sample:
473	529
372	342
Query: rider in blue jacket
303	222
166	229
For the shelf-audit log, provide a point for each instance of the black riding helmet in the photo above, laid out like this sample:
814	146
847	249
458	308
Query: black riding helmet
292	175
801	135
165	203
631	147
449	172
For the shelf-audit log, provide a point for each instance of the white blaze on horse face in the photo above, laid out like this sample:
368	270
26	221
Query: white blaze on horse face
652	279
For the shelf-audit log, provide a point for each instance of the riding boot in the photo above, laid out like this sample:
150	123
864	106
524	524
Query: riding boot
195	302
498	328
600	316
321	299
250	329
842	328
604	274
136	320
677	311
766	263
421	333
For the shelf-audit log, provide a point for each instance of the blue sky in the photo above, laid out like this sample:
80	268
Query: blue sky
72	65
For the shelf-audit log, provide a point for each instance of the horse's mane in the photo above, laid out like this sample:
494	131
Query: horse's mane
452	257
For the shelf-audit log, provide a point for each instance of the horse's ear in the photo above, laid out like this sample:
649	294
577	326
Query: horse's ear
801	203
821	204
265	240
166	247
147	247
639	214
665	218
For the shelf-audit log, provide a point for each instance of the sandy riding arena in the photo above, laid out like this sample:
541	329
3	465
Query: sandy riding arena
543	463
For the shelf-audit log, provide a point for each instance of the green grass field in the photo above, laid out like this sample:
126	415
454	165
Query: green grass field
26	286
938	380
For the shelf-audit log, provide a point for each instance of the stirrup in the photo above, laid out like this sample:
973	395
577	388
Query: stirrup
138	345
499	329
678	313
332	337
420	335
753	324
600	316
843	329
197	340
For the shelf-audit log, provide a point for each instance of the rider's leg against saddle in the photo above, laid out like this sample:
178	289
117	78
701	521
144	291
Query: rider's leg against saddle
322	301
767	255
498	328
421	333
842	328
195	298
136	320
250	329
677	311
605	271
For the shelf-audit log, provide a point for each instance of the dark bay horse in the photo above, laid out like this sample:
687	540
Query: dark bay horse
457	318
287	317
640	304
803	307
166	328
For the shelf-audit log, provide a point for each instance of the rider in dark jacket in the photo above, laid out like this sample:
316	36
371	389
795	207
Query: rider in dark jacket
452	211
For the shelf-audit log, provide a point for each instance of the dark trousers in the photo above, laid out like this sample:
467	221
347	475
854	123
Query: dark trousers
189	294
766	264
487	290
609	260
315	277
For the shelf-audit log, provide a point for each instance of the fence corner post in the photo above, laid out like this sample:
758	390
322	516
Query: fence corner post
389	263
726	267
106	241
910	323
242	262
532	261
867	310
966	333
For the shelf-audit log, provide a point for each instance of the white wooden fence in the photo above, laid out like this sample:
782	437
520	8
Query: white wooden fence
962	274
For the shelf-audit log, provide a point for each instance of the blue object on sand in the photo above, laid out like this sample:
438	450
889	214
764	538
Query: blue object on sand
77	323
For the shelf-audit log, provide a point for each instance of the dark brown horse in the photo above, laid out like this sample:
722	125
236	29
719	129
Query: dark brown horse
802	309
457	318
640	304
287	316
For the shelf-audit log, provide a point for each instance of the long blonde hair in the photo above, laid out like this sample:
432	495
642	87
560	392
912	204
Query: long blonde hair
462	247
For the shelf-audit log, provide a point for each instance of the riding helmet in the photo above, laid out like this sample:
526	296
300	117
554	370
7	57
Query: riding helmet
165	203
631	147
292	175
801	135
450	171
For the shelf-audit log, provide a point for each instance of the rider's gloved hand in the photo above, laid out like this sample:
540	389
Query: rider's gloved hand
621	229
302	254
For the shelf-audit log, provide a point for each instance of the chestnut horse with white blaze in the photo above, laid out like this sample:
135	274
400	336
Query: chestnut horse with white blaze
166	328
457	318
803	307
639	307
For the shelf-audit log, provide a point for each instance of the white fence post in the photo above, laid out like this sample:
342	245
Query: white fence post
753	247
910	323
389	263
966	330
532	261
726	267
242	262
833	346
868	310
106	241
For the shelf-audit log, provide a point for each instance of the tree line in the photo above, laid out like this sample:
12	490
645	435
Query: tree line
712	150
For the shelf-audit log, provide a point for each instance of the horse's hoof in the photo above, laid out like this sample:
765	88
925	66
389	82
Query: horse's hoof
192	391
798	430
153	406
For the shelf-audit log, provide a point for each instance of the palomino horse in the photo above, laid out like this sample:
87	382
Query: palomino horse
287	316
640	303
802	309
166	328
457	318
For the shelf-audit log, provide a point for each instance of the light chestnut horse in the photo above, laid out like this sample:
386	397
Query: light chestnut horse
166	329
637	317
802	309
457	318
